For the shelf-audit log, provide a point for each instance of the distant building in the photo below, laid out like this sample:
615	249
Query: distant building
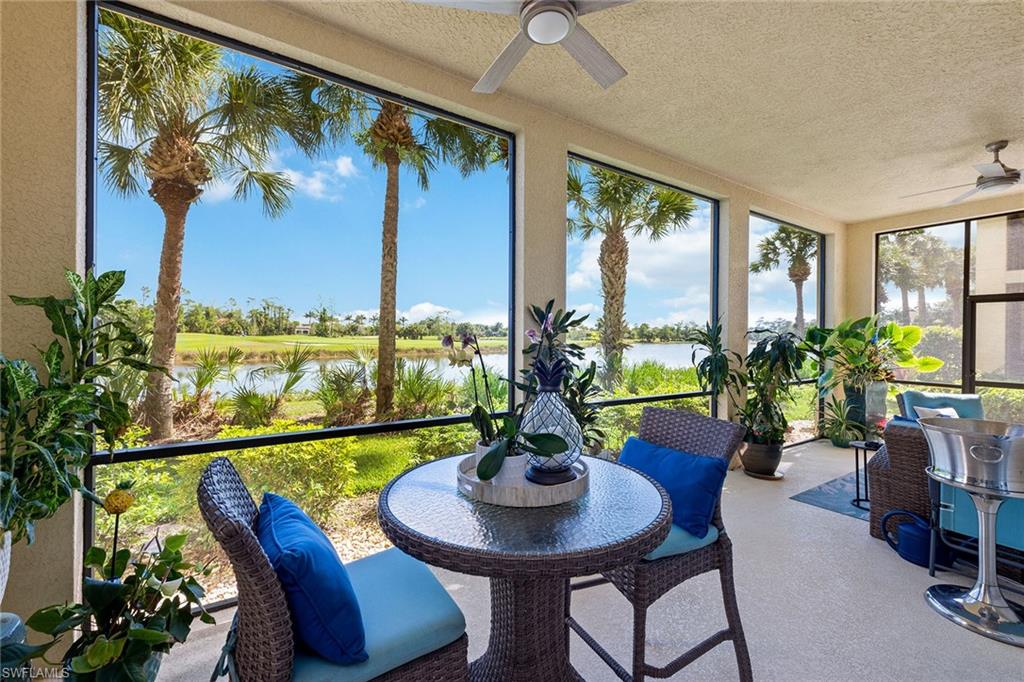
303	329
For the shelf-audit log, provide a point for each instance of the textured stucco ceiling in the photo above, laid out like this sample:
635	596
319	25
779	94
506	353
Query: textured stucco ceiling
839	107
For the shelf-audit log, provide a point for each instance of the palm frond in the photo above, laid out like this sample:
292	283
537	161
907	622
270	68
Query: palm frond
121	168
466	148
275	189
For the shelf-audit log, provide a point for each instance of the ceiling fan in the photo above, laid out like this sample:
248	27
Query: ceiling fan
995	176
545	22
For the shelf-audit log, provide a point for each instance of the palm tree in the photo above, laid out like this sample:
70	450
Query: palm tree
173	116
616	206
914	262
797	248
393	136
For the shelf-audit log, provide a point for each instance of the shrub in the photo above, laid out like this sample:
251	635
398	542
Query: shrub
443	441
1003	404
421	391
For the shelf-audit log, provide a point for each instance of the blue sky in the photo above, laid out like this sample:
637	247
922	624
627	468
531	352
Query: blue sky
453	247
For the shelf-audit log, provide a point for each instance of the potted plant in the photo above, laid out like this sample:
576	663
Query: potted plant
505	446
128	620
765	376
837	424
50	422
860	356
769	370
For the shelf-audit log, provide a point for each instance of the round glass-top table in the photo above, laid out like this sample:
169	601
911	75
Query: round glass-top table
528	553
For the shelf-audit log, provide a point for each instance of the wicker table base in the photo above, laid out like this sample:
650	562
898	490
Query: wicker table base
529	639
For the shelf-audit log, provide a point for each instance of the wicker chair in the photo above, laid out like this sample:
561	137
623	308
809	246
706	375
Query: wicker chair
260	645
896	475
645	582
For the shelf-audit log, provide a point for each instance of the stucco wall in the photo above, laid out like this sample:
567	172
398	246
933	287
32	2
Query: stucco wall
43	57
42	227
859	259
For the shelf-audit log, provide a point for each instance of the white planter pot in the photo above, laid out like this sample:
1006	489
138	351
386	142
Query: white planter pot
512	472
5	562
481	450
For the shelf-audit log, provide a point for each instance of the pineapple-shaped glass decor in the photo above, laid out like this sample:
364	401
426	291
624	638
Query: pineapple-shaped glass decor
548	414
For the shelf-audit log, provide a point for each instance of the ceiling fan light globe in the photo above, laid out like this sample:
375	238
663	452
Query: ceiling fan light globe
548	27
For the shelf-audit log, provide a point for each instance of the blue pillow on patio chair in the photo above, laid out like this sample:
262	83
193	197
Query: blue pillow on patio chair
693	483
323	605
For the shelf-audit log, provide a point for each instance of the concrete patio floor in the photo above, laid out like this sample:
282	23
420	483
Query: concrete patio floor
820	600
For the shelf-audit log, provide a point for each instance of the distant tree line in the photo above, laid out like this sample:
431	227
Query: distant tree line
269	318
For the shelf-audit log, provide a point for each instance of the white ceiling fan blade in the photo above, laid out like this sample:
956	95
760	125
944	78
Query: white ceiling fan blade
991	170
511	7
503	64
592	56
590	6
941	189
966	195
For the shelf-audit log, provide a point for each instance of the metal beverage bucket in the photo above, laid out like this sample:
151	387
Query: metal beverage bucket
977	453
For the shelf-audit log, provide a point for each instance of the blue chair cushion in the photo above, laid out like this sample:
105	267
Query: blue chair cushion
407	614
693	482
324	609
681	542
900	420
968	406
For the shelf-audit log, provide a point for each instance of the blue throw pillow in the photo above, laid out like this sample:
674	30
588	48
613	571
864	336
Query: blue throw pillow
323	605
694	483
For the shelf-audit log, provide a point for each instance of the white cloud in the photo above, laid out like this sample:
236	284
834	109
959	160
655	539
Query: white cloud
345	167
317	185
217	190
418	202
421	311
666	263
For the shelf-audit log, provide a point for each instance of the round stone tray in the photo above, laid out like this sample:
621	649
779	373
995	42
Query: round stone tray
527	493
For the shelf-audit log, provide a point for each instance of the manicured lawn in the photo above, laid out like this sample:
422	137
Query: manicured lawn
379	459
262	346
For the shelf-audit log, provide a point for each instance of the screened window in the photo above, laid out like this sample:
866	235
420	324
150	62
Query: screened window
784	276
920	281
784	295
639	262
295	248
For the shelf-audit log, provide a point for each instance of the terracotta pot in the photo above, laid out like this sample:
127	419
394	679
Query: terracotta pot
761	459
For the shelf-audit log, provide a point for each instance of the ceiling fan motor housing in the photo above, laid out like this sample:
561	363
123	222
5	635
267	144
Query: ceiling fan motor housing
547	22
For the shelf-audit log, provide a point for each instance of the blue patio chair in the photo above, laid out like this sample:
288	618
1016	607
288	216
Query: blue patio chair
414	631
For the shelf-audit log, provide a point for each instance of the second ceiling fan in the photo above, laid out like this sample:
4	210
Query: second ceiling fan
545	22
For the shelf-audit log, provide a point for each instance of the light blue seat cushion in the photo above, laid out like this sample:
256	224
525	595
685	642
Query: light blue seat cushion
406	613
681	542
968	406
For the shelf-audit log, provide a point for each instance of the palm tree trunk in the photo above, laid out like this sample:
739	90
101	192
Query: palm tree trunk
905	301
922	307
613	259
158	406
388	286
799	325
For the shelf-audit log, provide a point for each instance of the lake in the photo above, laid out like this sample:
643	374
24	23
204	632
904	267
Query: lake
668	354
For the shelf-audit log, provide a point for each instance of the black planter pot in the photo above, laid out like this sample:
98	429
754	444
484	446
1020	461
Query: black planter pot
761	460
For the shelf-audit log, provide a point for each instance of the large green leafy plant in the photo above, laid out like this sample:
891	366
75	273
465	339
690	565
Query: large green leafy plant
860	351
766	376
771	368
143	607
49	422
